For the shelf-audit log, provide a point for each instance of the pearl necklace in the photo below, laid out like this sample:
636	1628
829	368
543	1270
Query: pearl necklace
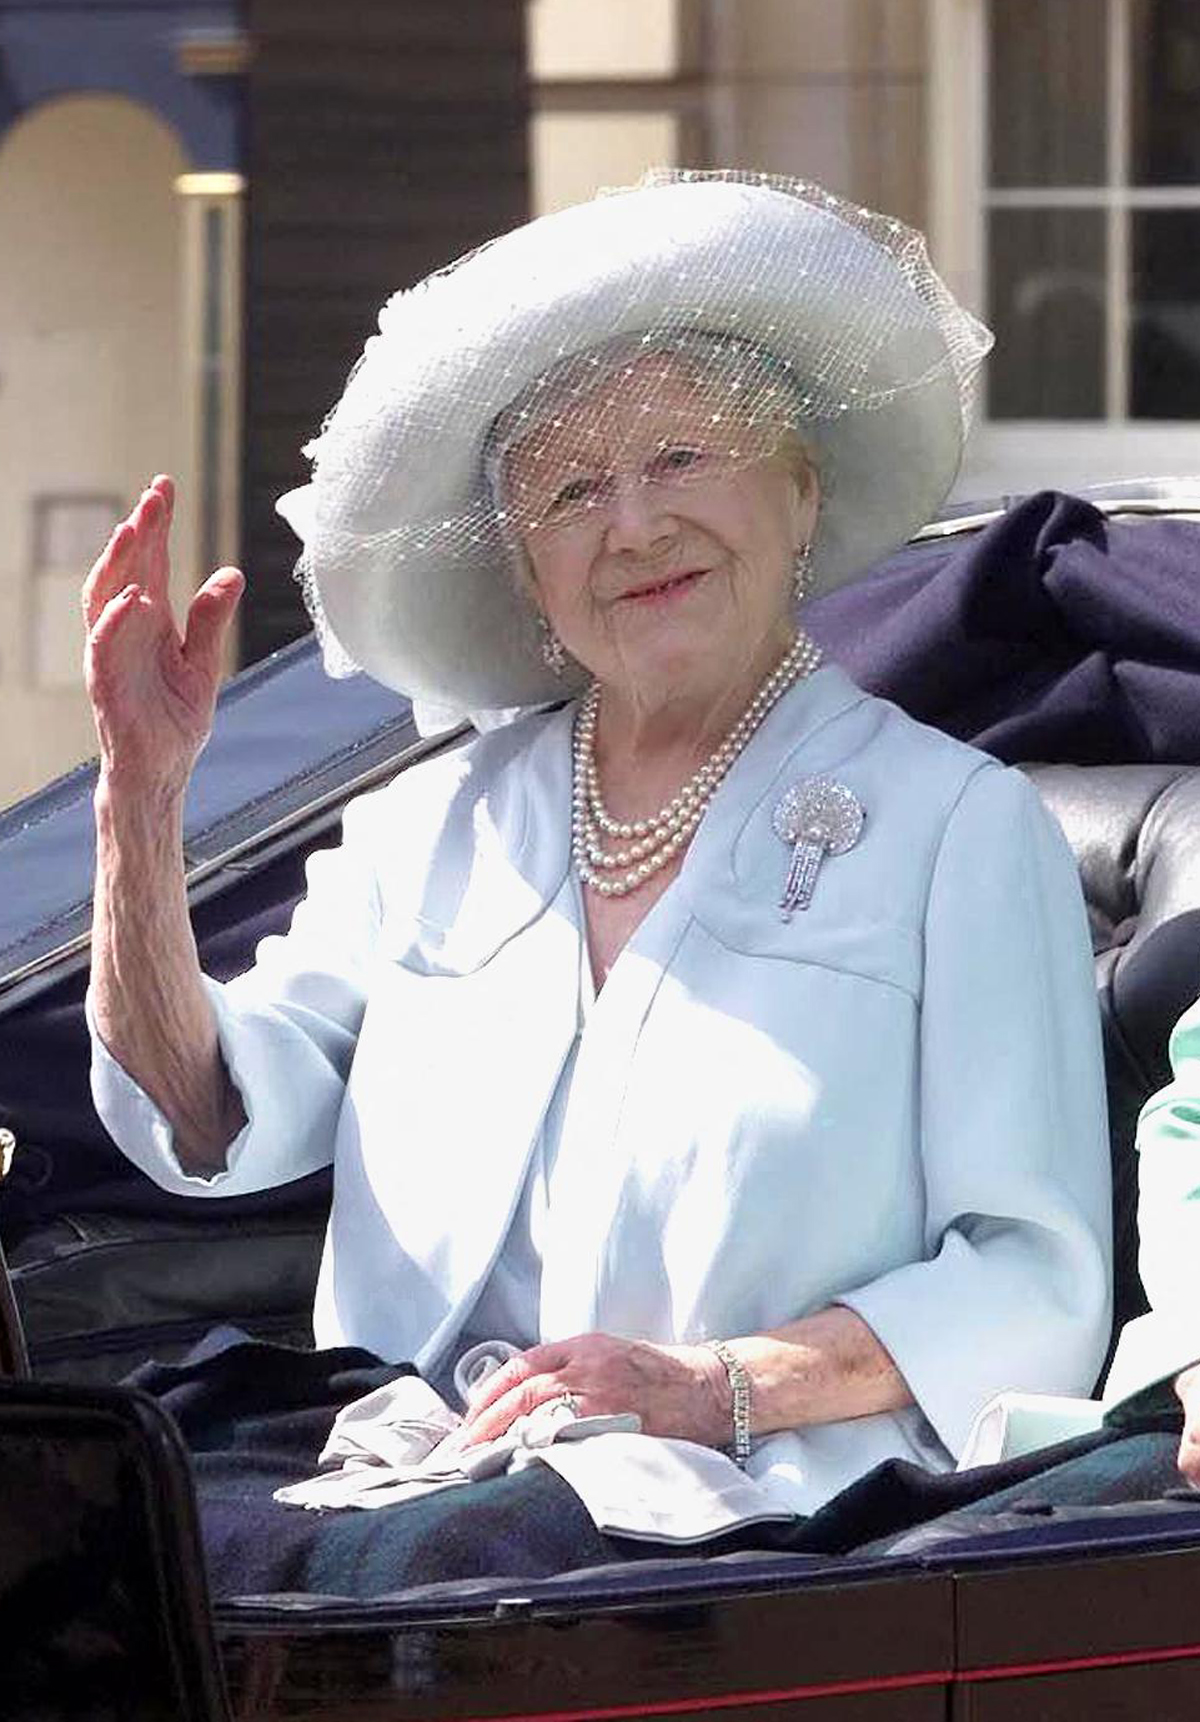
648	844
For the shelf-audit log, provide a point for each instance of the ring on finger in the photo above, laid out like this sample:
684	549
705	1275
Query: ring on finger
569	1401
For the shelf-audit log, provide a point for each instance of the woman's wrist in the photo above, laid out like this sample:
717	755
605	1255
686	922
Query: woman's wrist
738	1385
712	1403
125	798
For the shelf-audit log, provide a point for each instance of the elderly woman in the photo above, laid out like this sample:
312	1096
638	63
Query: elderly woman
718	1037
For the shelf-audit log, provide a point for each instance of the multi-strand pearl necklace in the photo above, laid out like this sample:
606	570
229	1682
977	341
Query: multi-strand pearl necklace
645	845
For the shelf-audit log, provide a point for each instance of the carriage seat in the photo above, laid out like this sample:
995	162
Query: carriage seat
1135	832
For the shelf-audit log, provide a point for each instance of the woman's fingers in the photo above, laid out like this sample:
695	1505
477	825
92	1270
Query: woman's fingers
497	1385
538	1360
121	642
136	552
500	1414
151	522
209	616
110	573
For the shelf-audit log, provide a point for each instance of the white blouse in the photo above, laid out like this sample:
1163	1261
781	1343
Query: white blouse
509	1303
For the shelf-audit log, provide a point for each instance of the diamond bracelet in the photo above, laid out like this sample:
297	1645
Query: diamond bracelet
739	1386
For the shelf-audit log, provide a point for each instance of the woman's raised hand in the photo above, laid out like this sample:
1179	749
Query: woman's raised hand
152	688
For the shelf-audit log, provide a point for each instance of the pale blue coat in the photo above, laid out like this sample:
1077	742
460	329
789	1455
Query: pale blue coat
895	1100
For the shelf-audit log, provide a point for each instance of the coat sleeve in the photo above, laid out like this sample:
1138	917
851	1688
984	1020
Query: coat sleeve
1157	1346
1015	1292
287	1030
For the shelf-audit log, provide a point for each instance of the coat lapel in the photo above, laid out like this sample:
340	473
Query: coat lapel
484	991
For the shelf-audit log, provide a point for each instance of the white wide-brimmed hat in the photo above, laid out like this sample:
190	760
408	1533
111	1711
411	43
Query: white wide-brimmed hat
407	561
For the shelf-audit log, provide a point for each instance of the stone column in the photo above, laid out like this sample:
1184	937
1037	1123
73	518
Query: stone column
829	90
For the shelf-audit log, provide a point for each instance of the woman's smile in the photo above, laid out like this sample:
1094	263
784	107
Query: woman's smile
664	589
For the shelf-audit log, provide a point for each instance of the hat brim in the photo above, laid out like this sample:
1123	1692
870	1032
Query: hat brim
434	611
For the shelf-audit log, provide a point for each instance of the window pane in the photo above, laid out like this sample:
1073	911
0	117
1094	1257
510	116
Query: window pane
1048	93
603	38
57	631
1046	271
1165	93
1165	315
573	155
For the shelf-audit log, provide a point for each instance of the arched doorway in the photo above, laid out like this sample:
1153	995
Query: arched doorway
93	392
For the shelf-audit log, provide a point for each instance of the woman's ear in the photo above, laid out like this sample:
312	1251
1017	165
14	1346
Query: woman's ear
807	491
520	568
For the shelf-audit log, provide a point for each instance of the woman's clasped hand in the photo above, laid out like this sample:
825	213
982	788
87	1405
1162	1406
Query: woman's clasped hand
677	1390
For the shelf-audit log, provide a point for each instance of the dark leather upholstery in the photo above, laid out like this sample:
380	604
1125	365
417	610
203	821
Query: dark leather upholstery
14	1357
1135	831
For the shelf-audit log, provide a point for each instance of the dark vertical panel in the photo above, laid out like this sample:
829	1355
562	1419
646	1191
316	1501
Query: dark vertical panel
384	137
1047	304
1048	94
1165	315
1165	81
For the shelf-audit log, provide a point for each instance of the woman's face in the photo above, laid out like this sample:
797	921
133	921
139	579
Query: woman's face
661	537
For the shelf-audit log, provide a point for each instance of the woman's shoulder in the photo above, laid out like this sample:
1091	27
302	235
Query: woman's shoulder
501	798
901	732
881	736
964	779
480	769
914	782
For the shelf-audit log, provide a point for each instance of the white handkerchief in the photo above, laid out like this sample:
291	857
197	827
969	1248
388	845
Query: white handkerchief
402	1441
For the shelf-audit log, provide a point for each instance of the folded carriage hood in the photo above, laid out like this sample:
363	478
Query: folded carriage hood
288	747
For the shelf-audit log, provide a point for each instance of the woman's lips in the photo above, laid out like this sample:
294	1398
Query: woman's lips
660	590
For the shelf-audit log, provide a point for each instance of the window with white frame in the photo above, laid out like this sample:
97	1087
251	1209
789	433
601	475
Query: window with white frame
1092	208
1065	209
67	530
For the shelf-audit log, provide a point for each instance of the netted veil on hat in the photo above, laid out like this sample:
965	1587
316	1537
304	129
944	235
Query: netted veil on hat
782	308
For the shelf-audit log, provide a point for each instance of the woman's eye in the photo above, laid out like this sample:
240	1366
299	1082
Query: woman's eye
575	490
677	459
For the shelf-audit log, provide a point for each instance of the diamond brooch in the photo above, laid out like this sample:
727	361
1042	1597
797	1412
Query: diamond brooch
816	817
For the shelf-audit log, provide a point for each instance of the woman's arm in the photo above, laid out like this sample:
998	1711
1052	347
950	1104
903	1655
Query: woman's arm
153	694
210	1089
819	1369
148	999
1014	1291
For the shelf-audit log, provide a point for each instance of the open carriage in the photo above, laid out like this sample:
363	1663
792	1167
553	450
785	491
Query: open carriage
106	1613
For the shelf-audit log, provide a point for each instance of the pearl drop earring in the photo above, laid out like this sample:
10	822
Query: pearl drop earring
802	571
553	652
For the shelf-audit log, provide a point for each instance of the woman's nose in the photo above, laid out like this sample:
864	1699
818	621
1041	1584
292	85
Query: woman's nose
637	519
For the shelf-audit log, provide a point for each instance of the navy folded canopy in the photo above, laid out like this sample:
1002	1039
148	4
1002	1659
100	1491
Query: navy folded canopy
286	746
1056	634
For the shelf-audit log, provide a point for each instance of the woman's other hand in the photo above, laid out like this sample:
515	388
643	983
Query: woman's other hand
1187	1386
152	688
679	1390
